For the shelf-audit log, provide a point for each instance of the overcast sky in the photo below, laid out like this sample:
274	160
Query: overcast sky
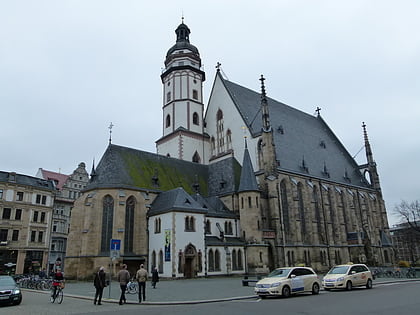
69	68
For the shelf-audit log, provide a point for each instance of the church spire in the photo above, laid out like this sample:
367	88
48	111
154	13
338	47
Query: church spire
265	115
373	172
248	182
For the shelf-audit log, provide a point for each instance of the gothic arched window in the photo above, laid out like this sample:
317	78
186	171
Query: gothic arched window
107	222
168	121
196	157
217	260
196	119
211	260
129	225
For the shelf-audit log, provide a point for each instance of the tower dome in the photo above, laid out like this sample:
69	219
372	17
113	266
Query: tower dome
182	47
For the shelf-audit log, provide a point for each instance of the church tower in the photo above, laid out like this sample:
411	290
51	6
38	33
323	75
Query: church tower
182	80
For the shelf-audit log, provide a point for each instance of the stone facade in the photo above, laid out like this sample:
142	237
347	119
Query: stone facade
26	207
68	190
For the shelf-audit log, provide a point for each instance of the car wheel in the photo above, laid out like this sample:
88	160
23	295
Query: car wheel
369	284
285	291
349	286
315	288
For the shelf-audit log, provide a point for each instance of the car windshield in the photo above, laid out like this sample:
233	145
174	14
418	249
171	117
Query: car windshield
282	272
7	281
339	270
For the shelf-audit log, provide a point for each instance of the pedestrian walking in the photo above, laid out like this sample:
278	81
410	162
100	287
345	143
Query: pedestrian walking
100	284
155	277
123	277
141	277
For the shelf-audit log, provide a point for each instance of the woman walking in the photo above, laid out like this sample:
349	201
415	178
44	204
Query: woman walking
99	283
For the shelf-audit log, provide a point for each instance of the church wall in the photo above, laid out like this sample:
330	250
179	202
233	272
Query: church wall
84	241
181	238
323	242
232	120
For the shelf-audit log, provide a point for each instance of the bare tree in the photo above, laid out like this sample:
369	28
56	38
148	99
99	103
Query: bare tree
409	213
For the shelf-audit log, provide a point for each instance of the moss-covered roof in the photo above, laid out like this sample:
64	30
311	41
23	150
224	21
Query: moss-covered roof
131	168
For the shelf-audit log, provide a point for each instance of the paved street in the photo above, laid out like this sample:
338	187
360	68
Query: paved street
386	295
385	299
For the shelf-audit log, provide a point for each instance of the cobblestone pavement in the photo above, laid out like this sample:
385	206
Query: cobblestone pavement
180	291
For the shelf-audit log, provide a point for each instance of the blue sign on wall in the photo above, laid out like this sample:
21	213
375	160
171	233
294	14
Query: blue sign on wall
115	245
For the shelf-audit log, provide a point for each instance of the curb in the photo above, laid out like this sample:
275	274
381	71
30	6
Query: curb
250	297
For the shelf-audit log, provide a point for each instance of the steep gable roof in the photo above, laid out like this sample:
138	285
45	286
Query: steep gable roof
215	207
175	200
304	143
248	181
126	167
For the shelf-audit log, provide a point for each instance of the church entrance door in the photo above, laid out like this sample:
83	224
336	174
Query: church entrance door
190	261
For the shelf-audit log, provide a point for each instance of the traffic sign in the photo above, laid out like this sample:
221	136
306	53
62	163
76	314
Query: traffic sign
115	244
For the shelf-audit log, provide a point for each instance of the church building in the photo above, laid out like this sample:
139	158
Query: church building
243	185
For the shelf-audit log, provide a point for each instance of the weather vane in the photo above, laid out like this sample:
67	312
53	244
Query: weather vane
110	132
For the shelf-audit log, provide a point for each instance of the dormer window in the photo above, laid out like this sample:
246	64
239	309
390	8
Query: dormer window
196	119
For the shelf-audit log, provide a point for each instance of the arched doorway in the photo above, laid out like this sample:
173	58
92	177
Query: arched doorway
190	264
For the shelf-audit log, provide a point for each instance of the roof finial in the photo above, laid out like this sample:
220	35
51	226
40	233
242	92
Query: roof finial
318	111
262	79
218	64
365	132
110	132
182	17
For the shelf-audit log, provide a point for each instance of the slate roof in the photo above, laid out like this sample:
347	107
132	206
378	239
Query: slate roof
248	181
298	137
175	200
39	183
130	168
215	207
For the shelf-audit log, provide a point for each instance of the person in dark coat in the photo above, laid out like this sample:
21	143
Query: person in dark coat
155	277
100	284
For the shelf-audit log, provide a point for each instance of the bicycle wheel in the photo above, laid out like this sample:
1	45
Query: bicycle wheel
60	296
52	296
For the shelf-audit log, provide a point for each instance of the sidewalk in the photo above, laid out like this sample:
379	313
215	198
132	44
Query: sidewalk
182	291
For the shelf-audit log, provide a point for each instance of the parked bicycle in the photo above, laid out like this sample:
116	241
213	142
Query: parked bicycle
132	287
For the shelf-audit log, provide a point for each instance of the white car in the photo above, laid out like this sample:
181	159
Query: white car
347	276
288	280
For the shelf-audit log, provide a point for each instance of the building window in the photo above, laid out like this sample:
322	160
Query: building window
129	225
15	235
168	121
35	218
189	224
208	227
158	225
40	236
196	157
1	193
6	213
229	139
19	196
211	260
168	97
18	214
240	267
3	235
196	119
107	222
154	259
234	260
42	217
195	94
33	236
217	260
